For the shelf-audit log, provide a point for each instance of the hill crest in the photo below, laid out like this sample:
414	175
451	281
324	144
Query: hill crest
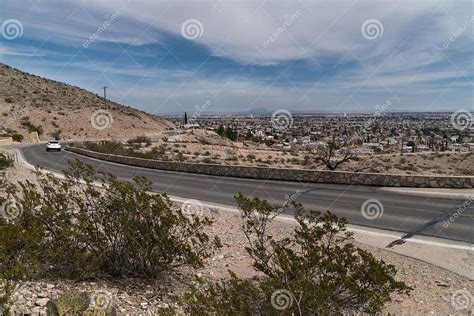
29	102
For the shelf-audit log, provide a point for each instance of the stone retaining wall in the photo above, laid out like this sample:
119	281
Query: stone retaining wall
6	141
301	175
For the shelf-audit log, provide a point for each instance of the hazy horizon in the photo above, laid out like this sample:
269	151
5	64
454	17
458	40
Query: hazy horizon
303	56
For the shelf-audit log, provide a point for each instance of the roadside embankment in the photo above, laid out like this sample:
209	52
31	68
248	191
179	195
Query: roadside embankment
300	175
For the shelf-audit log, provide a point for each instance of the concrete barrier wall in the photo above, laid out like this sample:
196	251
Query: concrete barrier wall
300	175
6	141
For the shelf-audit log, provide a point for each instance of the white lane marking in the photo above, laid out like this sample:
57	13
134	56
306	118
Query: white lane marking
288	218
439	194
350	227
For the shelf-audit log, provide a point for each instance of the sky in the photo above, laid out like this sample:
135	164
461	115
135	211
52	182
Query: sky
234	56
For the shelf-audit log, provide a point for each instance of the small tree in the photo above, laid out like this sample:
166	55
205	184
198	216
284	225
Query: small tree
316	271
221	130
334	153
231	134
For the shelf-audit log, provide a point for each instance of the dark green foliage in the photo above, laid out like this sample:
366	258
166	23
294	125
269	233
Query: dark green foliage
228	132
17	137
221	130
231	134
73	303
71	228
5	162
317	271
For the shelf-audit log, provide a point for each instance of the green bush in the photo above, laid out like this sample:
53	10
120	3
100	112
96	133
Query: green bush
18	253
316	271
17	138
75	229
5	161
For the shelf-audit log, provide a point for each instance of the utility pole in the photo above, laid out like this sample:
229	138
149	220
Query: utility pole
105	97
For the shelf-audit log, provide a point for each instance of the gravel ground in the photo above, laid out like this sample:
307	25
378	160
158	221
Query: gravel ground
436	291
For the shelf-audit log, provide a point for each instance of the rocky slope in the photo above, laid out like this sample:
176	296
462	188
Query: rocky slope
29	102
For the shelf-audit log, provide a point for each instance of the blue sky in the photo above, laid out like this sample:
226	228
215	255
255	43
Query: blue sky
321	56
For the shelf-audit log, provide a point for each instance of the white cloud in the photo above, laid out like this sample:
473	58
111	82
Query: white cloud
238	29
406	53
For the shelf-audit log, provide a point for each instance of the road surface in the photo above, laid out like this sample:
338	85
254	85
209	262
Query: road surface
402	212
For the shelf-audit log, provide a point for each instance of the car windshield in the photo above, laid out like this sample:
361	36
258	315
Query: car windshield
54	142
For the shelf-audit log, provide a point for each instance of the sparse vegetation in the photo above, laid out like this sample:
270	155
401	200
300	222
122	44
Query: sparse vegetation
72	229
25	122
318	270
52	105
335	153
56	134
223	154
140	140
17	137
5	161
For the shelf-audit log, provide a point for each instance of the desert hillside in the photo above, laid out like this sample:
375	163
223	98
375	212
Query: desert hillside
31	103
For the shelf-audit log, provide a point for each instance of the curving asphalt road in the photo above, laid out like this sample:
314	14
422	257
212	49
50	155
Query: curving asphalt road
401	212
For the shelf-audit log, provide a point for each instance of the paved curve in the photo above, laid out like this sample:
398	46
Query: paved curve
401	212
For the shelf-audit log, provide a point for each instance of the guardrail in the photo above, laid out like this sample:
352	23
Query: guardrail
299	175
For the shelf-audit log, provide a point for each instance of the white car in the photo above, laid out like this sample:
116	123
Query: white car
53	145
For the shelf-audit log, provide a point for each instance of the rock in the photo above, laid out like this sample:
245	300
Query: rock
50	286
42	302
36	311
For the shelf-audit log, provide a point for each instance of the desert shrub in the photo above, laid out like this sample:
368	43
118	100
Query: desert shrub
17	138
251	157
56	134
5	161
180	157
106	147
17	253
306	160
25	122
140	140
316	271
8	100
118	230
